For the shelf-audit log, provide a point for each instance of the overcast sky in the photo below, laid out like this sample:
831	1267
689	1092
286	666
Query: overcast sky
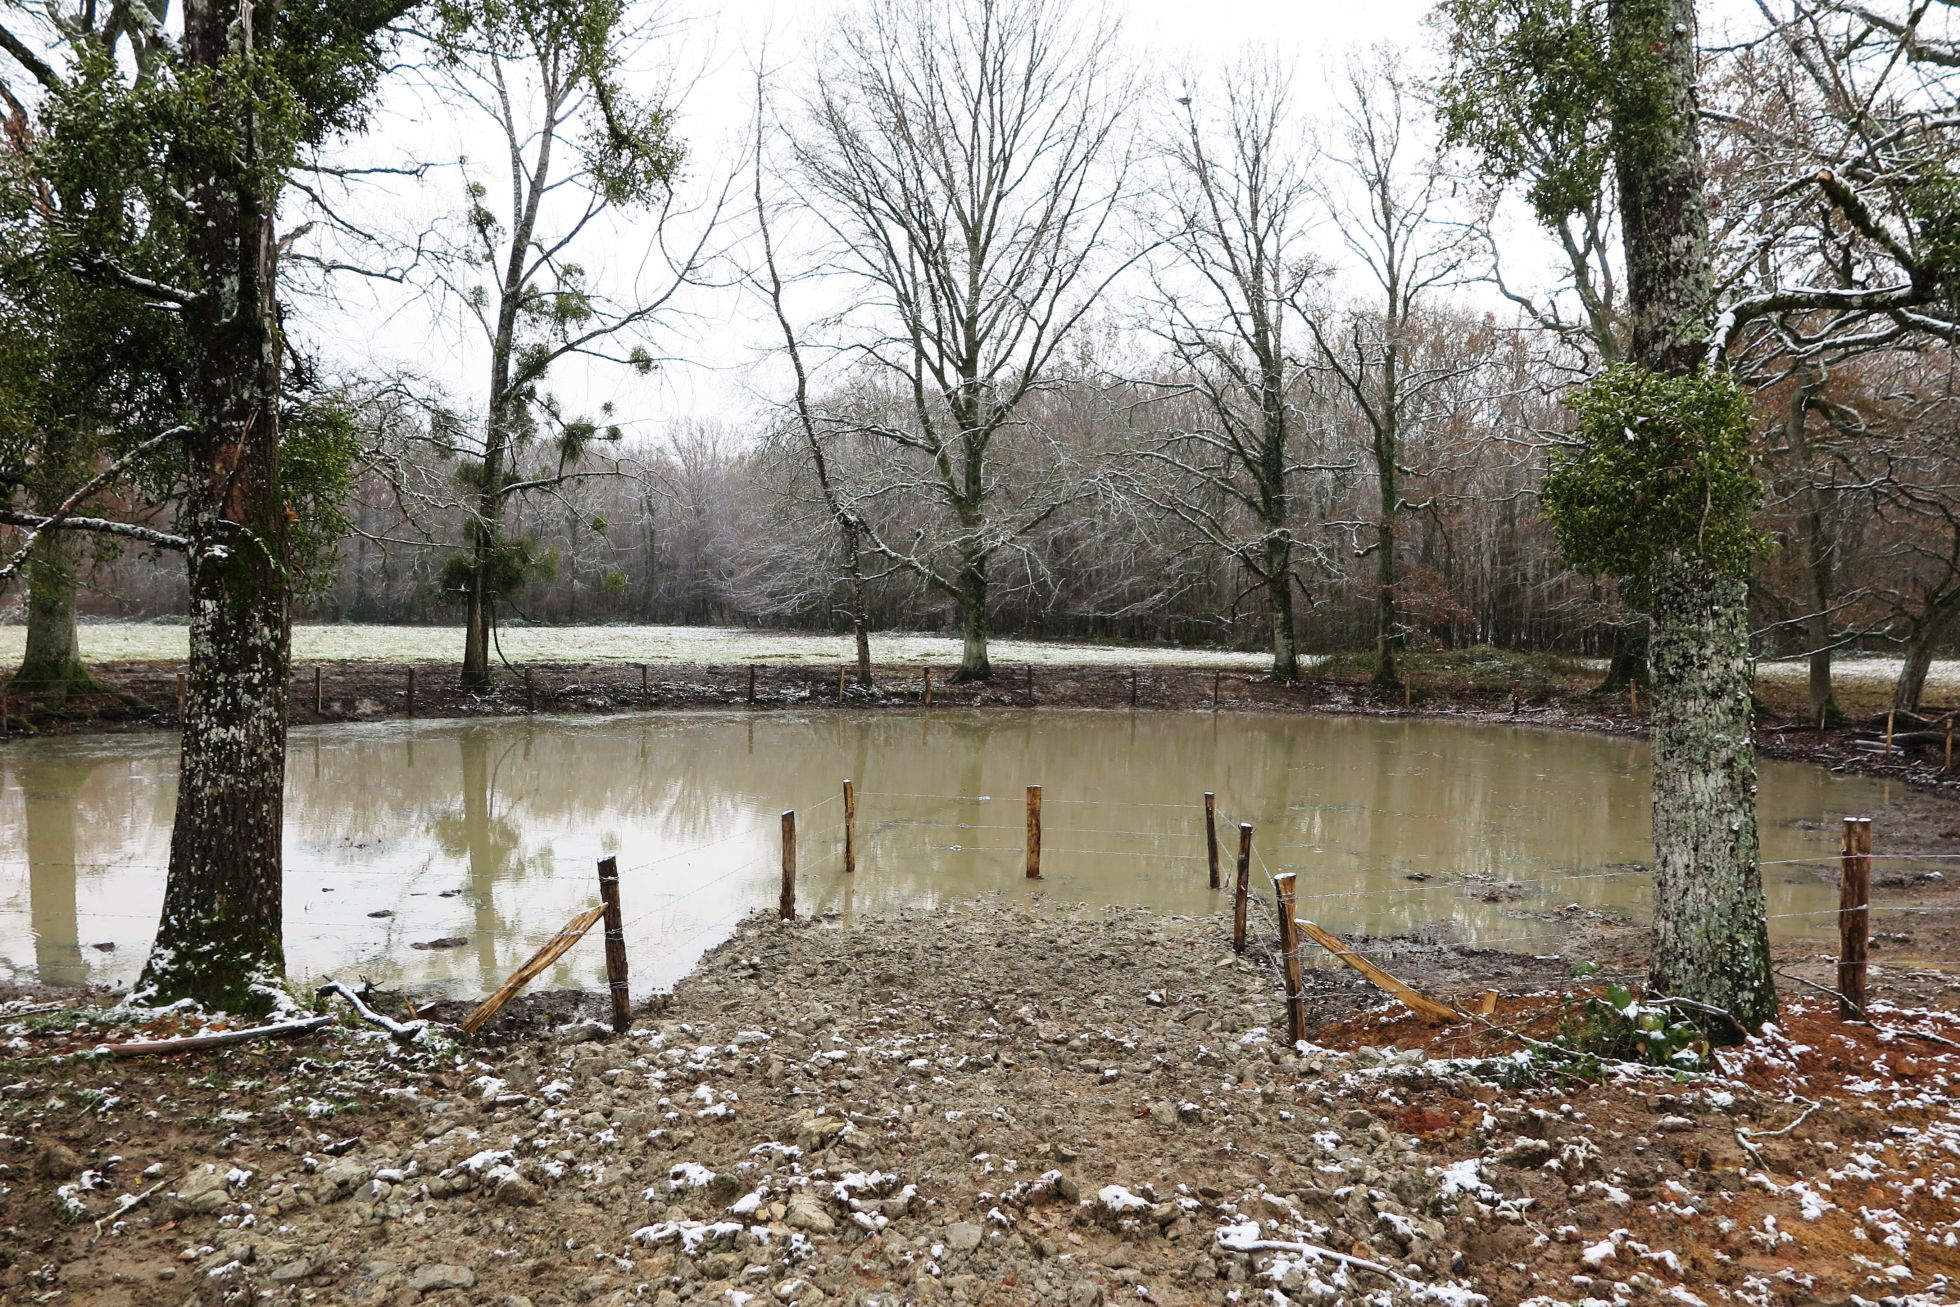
727	371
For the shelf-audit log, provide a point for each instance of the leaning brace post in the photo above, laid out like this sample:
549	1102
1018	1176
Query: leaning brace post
786	901
1289	954
850	828
1241	885
1211	836
1854	917
1034	832
615	944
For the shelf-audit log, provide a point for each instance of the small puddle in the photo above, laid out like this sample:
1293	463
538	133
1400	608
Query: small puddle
404	838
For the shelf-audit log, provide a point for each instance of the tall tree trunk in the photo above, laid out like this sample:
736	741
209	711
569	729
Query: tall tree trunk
219	939
1819	548
1910	689
52	661
1387	680
1711	936
1279	603
1627	662
854	597
974	665
482	597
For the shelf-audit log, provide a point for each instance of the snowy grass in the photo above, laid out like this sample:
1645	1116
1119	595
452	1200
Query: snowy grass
157	642
1867	675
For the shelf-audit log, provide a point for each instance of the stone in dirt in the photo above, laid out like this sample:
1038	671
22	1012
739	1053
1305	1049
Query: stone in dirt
807	1213
438	1276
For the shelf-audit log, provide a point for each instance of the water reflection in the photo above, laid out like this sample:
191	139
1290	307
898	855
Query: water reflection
403	839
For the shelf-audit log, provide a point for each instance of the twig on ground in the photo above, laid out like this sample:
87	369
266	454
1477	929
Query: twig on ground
405	1031
216	1039
124	1207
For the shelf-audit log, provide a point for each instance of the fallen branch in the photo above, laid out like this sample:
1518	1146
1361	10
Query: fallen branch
405	1031
124	1207
216	1039
1388	984
555	948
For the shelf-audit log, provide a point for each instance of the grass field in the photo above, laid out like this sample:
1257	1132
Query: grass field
158	642
1864	685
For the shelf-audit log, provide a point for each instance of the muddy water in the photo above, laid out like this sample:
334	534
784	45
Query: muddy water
442	854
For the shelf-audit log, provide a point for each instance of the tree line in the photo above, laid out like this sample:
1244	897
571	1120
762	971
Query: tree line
1068	349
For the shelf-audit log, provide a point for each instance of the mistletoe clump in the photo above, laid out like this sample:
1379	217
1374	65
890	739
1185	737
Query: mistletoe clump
1659	466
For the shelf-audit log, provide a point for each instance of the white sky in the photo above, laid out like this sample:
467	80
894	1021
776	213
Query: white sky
729	371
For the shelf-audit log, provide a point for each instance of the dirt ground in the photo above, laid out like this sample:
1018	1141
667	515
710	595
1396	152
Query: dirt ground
979	1104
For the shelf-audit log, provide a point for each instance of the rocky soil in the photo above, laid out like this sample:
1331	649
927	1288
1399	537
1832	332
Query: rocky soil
977	1105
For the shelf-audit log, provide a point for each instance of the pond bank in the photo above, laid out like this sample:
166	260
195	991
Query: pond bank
1530	688
975	1105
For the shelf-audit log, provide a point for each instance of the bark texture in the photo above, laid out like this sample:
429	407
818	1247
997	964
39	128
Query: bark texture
219	940
1710	926
52	660
1711	937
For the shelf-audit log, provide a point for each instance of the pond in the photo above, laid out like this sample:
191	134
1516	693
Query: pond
441	854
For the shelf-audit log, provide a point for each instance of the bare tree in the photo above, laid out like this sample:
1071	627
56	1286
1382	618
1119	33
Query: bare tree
545	75
1235	198
1390	205
849	530
966	157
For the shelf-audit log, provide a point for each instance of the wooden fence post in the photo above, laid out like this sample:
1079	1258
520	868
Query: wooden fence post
786	902
1211	836
928	676
840	682
1948	764
530	693
1289	956
850	828
615	944
316	689
646	691
1854	917
1633	696
1133	687
751	682
180	696
1408	692
1241	885
411	692
1034	832
1030	685
6	728
1889	714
